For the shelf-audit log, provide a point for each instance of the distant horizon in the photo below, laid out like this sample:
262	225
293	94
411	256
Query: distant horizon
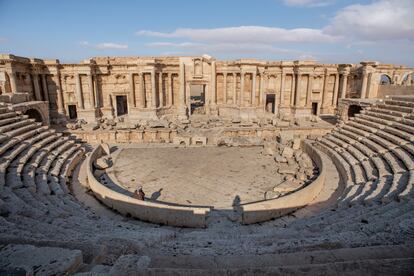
328	31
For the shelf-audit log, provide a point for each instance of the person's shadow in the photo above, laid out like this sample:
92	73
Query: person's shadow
156	195
236	204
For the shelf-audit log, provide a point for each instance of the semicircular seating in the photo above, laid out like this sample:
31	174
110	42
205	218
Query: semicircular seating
370	225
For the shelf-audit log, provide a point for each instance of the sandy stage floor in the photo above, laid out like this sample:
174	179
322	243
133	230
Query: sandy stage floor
207	176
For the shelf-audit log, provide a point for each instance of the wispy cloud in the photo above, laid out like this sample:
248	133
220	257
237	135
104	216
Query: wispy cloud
246	34
379	21
308	3
3	39
104	45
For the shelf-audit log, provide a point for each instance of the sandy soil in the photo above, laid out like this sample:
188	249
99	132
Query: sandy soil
205	176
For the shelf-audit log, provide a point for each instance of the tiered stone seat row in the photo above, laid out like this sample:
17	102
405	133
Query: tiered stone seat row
36	163
375	151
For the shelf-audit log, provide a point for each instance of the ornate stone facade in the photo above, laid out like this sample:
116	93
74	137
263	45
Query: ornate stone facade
151	87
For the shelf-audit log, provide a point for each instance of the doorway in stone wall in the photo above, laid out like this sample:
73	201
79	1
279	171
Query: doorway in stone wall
197	99
270	103
121	105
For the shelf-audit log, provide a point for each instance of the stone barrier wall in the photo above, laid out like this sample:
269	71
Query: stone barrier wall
274	208
144	210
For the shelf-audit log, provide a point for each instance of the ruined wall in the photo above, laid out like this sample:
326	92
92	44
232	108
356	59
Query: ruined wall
156	86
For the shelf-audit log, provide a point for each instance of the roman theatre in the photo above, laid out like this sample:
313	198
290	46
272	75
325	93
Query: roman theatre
248	167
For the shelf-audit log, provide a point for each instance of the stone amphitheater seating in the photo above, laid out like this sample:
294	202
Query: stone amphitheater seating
368	228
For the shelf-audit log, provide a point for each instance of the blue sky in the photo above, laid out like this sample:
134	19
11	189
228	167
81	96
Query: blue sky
330	31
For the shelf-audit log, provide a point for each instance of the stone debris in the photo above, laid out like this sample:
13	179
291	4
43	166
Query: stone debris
40	260
103	163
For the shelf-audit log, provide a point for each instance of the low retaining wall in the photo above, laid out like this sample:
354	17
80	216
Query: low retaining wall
144	210
274	208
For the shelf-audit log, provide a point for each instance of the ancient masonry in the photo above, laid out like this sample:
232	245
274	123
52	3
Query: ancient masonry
154	87
309	167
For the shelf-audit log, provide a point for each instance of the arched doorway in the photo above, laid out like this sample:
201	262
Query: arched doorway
408	79
34	114
354	109
385	80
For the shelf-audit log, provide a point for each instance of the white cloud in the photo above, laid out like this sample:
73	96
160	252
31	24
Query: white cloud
244	49
308	3
104	45
246	34
380	20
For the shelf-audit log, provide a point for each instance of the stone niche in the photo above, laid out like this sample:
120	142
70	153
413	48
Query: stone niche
197	68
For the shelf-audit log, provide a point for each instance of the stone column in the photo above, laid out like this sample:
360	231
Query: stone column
79	92
153	89
132	90
225	87
344	84
45	89
241	99
38	95
261	91
170	90
60	104
293	90
324	92
368	93
181	99
298	90
309	91
282	89
253	101
234	88
142	99
364	84
96	89
213	82
13	82
160	90
91	91
336	88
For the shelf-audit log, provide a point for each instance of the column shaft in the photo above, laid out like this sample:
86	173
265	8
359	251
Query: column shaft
45	89
213	82
282	90
91	91
298	90
182	85
309	91
13	82
132	90
241	99
153	89
225	88
324	92
161	90
364	84
261	91
344	84
142	100
60	104
170	90
253	101
293	90
234	88
97	93
38	95
336	88
79	92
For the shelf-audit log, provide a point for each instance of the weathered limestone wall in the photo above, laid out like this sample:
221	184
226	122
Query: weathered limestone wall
393	90
156	86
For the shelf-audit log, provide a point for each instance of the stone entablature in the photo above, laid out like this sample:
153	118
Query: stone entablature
161	86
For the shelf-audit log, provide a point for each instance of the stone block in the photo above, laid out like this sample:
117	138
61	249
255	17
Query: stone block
287	152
